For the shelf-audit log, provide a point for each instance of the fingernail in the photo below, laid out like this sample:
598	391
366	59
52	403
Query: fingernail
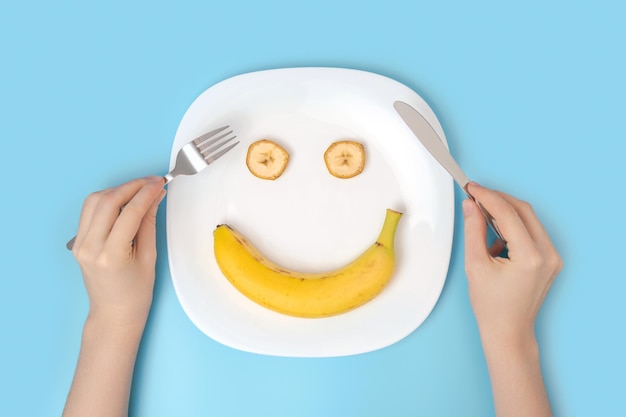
470	185
468	207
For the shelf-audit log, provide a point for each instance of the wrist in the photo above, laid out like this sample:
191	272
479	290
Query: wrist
515	374
116	321
522	345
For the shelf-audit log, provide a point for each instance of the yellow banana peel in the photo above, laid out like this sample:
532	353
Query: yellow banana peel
304	294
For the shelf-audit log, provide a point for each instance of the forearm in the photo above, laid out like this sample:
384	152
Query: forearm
101	385
516	380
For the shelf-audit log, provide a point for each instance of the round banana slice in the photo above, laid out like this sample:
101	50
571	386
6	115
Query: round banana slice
266	159
345	159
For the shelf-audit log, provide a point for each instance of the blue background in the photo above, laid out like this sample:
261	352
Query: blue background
530	94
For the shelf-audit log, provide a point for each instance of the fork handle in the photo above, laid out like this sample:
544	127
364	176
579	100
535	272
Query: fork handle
70	243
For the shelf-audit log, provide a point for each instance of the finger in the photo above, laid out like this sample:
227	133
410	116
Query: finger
86	216
108	210
475	234
530	219
551	258
128	222
145	241
509	222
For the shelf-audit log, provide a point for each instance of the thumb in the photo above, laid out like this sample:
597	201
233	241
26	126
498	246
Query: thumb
475	233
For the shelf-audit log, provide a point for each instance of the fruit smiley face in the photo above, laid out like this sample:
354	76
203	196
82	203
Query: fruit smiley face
297	293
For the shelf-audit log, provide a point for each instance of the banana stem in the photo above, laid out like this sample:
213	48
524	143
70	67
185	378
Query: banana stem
388	232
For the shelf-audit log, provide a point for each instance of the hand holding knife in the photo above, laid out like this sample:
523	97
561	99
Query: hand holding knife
423	130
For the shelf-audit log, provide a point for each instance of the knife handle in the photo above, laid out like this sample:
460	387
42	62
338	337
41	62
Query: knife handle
492	223
490	220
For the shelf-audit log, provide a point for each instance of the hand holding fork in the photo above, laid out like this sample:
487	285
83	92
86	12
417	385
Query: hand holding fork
195	156
116	250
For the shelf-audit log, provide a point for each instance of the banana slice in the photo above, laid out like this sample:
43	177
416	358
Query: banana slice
266	159
345	159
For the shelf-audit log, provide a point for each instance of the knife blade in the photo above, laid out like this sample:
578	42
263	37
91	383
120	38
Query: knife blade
433	143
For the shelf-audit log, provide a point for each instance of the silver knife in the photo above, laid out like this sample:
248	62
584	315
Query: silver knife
424	131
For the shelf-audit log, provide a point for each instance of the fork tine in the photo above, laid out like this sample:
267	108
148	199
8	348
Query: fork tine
207	151
209	135
203	144
212	158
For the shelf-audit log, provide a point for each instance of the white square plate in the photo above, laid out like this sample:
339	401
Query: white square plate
308	220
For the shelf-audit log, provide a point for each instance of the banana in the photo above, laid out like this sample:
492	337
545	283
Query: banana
345	159
302	294
266	159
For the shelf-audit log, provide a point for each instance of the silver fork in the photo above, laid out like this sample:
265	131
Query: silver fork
201	152
195	156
